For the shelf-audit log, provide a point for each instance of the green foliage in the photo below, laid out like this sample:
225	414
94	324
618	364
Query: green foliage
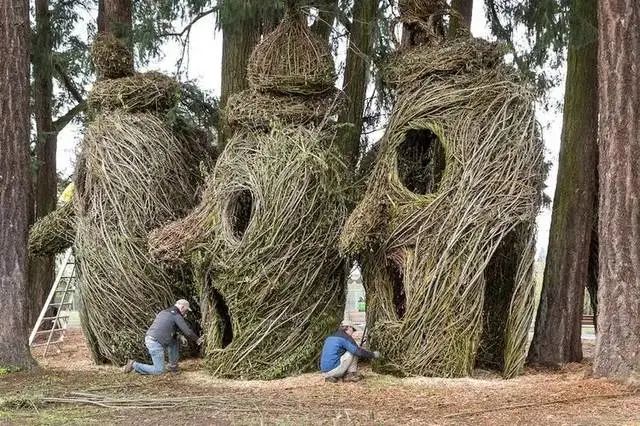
8	369
70	53
230	11
154	22
545	26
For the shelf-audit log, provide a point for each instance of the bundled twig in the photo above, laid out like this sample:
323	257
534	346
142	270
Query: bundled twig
292	60
428	241
111	57
251	109
458	56
53	233
138	93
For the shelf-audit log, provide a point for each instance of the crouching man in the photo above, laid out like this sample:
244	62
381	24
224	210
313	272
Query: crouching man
161	337
340	353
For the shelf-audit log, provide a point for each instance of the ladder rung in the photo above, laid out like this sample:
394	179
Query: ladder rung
36	345
60	304
55	317
49	331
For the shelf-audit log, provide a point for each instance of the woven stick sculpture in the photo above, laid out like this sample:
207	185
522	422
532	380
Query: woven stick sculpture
134	173
263	240
445	232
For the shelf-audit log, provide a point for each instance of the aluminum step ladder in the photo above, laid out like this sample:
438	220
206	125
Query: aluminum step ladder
61	299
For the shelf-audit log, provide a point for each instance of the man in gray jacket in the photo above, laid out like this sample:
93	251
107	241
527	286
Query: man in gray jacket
161	337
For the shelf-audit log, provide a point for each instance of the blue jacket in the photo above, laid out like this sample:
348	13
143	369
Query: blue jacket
335	346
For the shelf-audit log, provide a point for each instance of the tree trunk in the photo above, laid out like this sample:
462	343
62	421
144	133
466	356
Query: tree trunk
618	339
41	269
102	26
557	337
461	20
356	76
592	284
14	182
326	15
117	19
238	40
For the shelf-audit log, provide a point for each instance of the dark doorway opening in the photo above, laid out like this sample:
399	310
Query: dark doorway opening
224	318
397	285
500	279
238	212
421	161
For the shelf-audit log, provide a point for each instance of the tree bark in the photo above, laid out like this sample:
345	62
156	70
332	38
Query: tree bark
14	182
326	16
557	337
101	24
238	40
117	19
41	270
617	354
356	76
461	20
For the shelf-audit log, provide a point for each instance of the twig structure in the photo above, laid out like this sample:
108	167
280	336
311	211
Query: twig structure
445	231
138	167
263	240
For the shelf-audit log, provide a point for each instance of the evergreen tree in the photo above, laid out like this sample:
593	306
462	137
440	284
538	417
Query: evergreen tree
461	17
14	182
54	50
557	338
618	336
356	75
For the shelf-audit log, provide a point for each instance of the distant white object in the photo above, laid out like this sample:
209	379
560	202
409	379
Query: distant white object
355	274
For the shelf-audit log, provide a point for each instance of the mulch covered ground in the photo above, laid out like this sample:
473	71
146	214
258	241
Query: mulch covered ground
68	389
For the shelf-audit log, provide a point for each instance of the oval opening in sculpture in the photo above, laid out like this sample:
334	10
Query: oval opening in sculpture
420	161
237	213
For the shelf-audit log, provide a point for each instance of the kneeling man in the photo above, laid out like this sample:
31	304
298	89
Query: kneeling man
340	355
161	337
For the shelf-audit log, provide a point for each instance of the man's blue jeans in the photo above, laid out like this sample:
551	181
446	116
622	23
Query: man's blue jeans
156	350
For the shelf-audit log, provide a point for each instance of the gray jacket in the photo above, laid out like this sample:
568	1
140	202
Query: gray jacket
166	324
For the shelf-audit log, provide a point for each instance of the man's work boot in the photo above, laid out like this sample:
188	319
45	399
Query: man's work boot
331	379
352	377
128	367
173	368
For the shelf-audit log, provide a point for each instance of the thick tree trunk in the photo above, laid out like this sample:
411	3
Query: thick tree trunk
618	340
41	269
461	19
356	76
14	182
239	37
557	337
101	23
116	19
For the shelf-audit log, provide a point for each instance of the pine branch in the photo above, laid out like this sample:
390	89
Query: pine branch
68	83
187	28
504	35
62	121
